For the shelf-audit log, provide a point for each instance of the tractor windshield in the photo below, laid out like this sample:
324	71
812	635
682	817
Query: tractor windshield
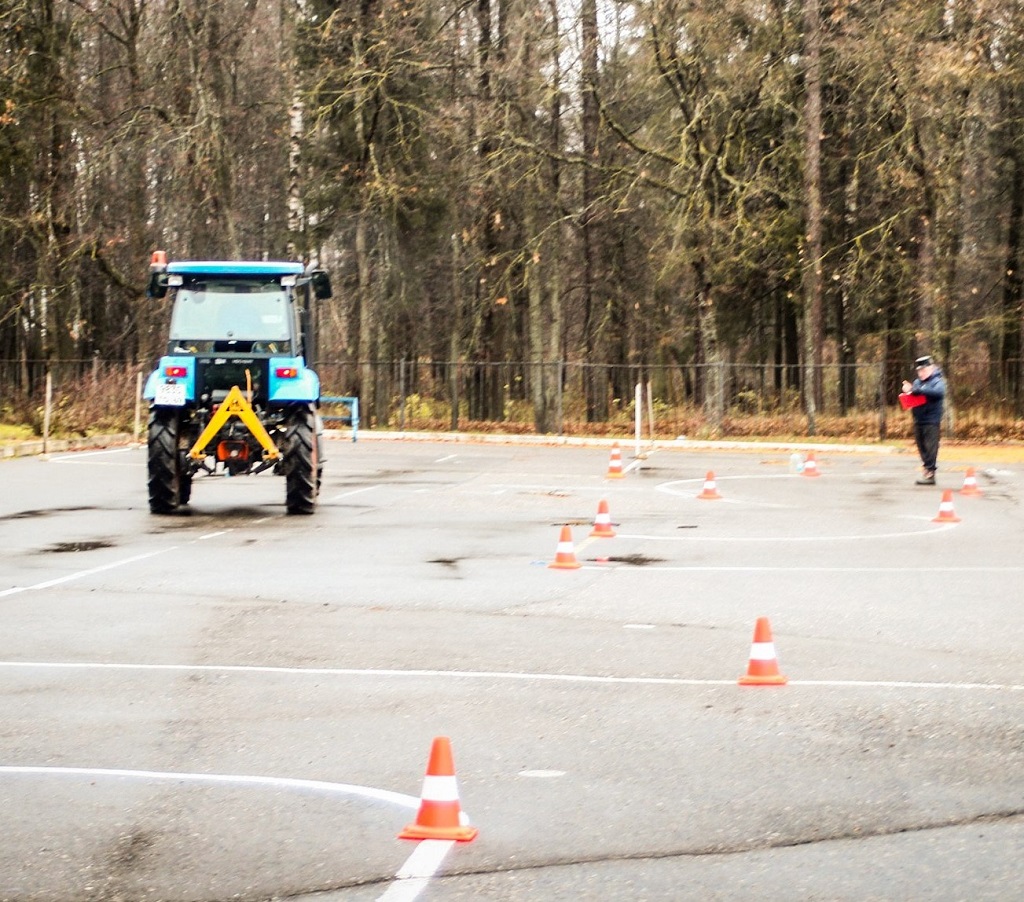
231	314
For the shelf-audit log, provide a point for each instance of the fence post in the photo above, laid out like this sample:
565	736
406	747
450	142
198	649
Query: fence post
47	404
136	428
637	415
561	397
650	412
882	428
454	369
401	395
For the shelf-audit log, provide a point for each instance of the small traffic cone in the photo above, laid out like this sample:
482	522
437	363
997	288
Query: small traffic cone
970	484
763	669
946	512
603	522
615	463
565	555
811	465
439	816
710	490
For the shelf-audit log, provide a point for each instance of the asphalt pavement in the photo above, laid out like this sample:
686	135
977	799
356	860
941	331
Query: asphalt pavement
233	703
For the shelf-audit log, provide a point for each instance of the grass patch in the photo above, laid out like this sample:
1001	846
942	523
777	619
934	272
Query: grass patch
9	434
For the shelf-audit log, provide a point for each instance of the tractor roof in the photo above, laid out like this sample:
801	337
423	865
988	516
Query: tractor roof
235	268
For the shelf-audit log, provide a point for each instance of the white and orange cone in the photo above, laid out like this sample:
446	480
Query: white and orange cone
970	484
763	669
440	816
603	522
946	512
615	463
811	465
565	554
710	490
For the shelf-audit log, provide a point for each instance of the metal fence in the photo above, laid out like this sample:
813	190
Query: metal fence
728	399
567	398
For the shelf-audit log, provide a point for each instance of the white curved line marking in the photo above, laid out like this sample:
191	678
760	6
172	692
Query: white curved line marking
412	877
366	792
491	675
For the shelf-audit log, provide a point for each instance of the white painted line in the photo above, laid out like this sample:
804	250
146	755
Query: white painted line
368	488
446	458
78	456
366	792
825	537
611	568
482	675
70	577
414	876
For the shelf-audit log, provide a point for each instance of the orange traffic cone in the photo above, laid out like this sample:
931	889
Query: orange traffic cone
615	463
763	669
565	556
811	465
439	816
603	522
710	491
946	512
970	484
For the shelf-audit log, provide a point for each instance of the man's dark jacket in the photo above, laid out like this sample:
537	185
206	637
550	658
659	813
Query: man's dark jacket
934	390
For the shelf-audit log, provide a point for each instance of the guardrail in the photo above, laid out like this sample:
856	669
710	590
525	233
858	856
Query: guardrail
352	417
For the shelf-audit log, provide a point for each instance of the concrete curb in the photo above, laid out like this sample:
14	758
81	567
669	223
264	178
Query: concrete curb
679	444
35	446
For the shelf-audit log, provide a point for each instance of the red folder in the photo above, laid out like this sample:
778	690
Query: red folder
907	401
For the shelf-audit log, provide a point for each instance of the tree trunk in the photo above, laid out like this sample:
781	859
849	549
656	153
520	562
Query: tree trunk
707	323
814	333
595	377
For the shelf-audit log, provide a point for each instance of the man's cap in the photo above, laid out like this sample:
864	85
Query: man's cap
923	361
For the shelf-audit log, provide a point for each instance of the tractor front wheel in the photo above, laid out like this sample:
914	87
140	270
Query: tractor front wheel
165	480
301	466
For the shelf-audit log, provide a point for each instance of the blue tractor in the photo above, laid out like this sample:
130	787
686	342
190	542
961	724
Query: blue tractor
234	394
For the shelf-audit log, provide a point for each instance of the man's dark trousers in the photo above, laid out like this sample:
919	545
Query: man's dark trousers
927	437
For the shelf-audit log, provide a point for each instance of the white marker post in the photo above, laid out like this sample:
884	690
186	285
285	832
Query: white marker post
637	415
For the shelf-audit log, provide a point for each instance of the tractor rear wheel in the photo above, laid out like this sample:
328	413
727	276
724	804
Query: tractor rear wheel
164	462
301	461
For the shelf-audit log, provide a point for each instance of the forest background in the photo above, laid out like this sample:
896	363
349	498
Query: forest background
762	209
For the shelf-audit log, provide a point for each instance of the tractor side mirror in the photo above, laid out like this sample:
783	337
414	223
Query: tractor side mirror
157	287
321	284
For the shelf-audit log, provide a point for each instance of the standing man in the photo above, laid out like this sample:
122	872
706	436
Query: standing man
930	384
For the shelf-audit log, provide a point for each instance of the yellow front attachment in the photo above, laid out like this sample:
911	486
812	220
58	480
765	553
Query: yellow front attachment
235	405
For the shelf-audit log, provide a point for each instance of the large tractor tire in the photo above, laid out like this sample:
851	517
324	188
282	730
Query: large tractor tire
301	461
167	487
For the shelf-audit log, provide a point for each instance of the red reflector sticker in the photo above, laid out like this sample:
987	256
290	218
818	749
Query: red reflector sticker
286	372
175	371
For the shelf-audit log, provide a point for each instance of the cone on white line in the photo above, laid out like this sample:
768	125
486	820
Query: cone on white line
565	553
763	667
615	463
710	490
439	815
603	522
946	512
970	486
811	465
